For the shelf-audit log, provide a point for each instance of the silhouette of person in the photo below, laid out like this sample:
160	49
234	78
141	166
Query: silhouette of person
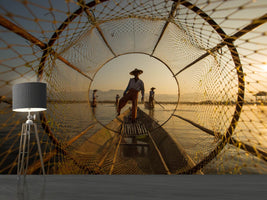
94	98
117	99
151	97
131	93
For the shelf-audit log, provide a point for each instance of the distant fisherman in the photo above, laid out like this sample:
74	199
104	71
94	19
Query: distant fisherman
131	93
94	98
151	97
117	99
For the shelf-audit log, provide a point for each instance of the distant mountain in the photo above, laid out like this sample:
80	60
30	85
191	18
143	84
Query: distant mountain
68	96
107	95
111	95
104	96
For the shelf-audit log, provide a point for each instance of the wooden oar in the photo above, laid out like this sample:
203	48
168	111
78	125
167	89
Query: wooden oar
159	104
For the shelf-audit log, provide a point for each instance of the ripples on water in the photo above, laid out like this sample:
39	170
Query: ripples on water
68	120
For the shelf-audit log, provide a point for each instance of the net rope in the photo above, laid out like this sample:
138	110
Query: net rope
215	50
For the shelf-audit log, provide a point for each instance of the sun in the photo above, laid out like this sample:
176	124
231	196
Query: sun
264	67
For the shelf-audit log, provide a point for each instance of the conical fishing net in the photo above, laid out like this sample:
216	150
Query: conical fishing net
214	57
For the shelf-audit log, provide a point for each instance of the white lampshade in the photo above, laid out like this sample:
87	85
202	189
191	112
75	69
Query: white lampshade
29	97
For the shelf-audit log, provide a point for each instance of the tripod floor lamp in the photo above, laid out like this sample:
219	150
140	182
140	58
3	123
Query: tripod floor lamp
28	97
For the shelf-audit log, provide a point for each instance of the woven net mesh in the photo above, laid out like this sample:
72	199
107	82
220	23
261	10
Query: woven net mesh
215	51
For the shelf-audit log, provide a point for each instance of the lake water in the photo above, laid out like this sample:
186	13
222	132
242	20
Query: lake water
69	120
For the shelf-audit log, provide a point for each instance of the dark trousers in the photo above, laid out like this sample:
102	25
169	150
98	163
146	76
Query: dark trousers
132	95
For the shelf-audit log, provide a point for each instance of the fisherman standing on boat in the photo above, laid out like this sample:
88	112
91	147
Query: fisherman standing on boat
94	98
117	99
131	93
151	97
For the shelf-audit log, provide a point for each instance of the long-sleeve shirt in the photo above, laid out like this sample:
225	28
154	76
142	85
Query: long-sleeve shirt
137	85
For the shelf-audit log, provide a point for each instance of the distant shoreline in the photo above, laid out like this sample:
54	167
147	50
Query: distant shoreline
162	102
100	102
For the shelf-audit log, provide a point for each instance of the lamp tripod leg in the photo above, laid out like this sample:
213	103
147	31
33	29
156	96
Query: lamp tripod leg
24	137
39	148
28	146
25	141
20	149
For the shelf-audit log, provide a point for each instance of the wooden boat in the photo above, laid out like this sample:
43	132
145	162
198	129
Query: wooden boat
143	147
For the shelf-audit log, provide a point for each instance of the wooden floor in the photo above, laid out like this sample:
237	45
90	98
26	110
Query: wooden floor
156	187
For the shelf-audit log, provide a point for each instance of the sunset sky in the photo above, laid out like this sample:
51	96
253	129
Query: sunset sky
115	74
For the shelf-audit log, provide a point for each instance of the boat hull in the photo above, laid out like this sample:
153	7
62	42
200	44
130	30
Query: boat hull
111	151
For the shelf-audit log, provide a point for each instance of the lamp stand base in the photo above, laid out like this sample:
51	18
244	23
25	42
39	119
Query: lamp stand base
24	148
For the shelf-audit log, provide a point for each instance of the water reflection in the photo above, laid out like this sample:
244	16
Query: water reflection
132	147
93	111
151	113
